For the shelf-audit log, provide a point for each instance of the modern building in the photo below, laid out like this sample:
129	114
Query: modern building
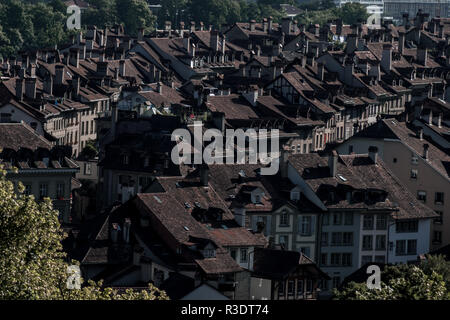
435	8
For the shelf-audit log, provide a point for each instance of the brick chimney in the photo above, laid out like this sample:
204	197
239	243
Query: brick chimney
425	151
386	58
401	42
19	88
48	85
192	26
74	57
59	75
30	88
320	71
265	25
373	154
422	55
270	24
214	41
252	25
122	70
332	163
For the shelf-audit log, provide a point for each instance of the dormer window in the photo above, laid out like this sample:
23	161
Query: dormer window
125	159
209	253
295	194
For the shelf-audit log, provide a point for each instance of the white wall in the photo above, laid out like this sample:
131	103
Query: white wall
422	237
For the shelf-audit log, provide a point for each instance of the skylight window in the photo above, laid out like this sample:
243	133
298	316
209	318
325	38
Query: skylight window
186	228
342	177
157	199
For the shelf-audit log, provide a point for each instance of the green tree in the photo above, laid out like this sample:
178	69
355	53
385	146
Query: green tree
352	12
32	263
400	282
438	264
90	150
135	14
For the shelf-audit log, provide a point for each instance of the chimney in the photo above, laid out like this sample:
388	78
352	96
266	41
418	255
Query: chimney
348	71
74	57
76	85
386	58
373	154
422	55
286	24
159	88
332	163
114	118
25	61
270	24
352	43
284	157
19	88
186	42
214	41
126	230
59	75
251	95
90	44
204	175
401	42
339	25
48	85
192	26
32	70
405	20
252	25
420	134
265	25
116	74
425	151
30	88
140	34
439	120
168	25
79	37
115	232
441	31
320	71
202	26
122	70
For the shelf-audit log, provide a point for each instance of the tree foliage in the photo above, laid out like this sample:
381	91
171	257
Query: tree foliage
32	263
350	13
400	282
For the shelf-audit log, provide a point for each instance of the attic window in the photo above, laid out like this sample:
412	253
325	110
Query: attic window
186	228
187	205
242	174
342	177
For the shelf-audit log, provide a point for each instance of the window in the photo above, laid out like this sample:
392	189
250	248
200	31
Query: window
422	196
233	254
309	286
365	260
400	247
336	282
300	287
407	226
348	219
283	240
414	173
243	255
291	287
324	239
368	222
394	160
335	259
306	226
414	159
367	242
381	222
437	236
324	259
347	239
43	190
412	247
325	219
28	189
209	253
439	219
305	251
347	259
60	190
336	238
337	218
284	219
380	242
281	288
125	159
380	259
439	198
87	168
